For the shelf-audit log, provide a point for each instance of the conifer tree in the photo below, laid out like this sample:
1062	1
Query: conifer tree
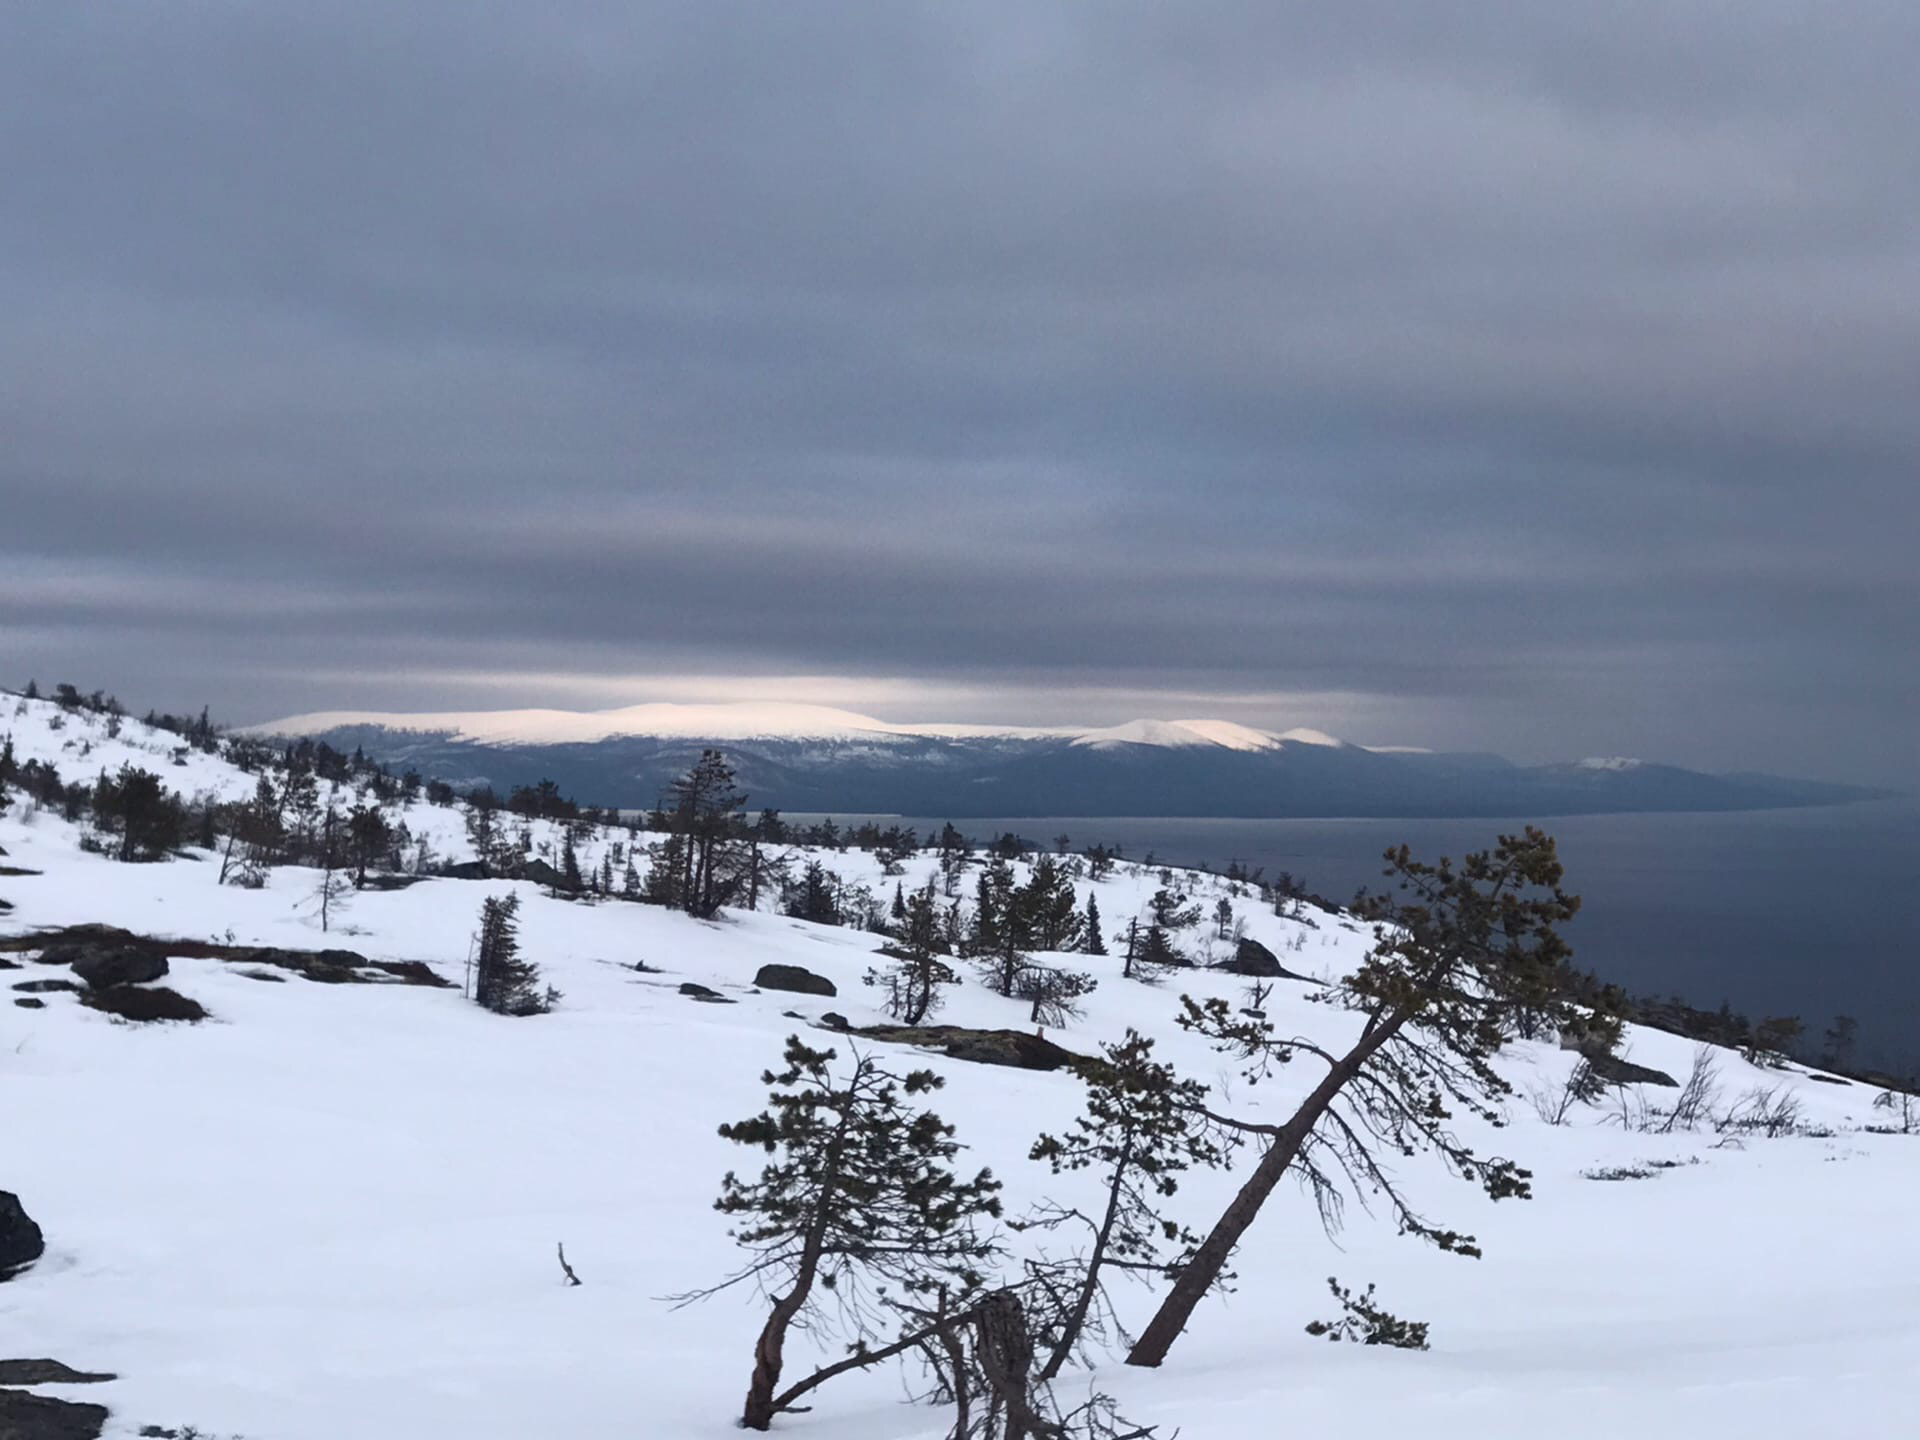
136	806
1095	943
1457	952
1168	913
505	981
332	892
1050	908
861	1197
992	903
914	978
705	815
368	838
813	896
953	850
1055	994
1143	1129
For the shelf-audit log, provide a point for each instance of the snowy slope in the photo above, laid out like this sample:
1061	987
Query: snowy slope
331	1210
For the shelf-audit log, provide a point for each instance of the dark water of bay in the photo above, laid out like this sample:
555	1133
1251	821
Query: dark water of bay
1812	912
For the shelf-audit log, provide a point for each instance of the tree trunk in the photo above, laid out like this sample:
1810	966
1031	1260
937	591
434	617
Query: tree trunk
768	1356
1200	1273
1090	1286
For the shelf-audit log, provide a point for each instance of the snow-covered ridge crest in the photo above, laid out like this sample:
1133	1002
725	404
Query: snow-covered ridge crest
748	720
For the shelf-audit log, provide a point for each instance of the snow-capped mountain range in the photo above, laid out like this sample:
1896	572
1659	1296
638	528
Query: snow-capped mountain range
818	758
747	720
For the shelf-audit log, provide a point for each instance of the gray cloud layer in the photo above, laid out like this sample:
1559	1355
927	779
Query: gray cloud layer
1539	377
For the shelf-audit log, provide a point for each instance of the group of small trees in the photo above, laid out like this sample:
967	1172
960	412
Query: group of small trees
862	1200
861	1203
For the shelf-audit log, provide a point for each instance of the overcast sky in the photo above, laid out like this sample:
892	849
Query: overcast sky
1543	378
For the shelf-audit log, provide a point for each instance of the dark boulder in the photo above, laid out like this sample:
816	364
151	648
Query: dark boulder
1257	962
26	1416
1015	1048
144	1004
28	1003
833	1020
542	873
701	992
105	967
334	967
1616	1071
21	1242
1254	960
44	987
795	978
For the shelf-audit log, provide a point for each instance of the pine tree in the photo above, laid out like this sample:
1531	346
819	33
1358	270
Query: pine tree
1168	913
992	899
483	832
1050	907
1144	1127
953	851
1457	951
9	768
707	869
812	897
368	838
1055	994
861	1198
504	981
135	805
1095	943
330	895
917	974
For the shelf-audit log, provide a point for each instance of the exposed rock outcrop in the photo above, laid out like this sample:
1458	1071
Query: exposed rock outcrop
21	1242
795	978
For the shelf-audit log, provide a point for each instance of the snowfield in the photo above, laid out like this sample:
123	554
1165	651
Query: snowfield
331	1210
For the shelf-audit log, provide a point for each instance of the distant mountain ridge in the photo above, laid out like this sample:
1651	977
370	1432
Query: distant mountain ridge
817	758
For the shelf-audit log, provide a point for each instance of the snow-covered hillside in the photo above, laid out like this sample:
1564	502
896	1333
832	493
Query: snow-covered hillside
331	1210
770	721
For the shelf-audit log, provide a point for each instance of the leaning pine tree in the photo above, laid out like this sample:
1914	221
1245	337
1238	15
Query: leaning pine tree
860	1198
1458	953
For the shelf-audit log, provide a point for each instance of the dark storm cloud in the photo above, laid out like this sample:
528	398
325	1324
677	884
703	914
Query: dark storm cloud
1470	374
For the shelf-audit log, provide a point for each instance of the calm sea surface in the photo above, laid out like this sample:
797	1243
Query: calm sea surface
1811	912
